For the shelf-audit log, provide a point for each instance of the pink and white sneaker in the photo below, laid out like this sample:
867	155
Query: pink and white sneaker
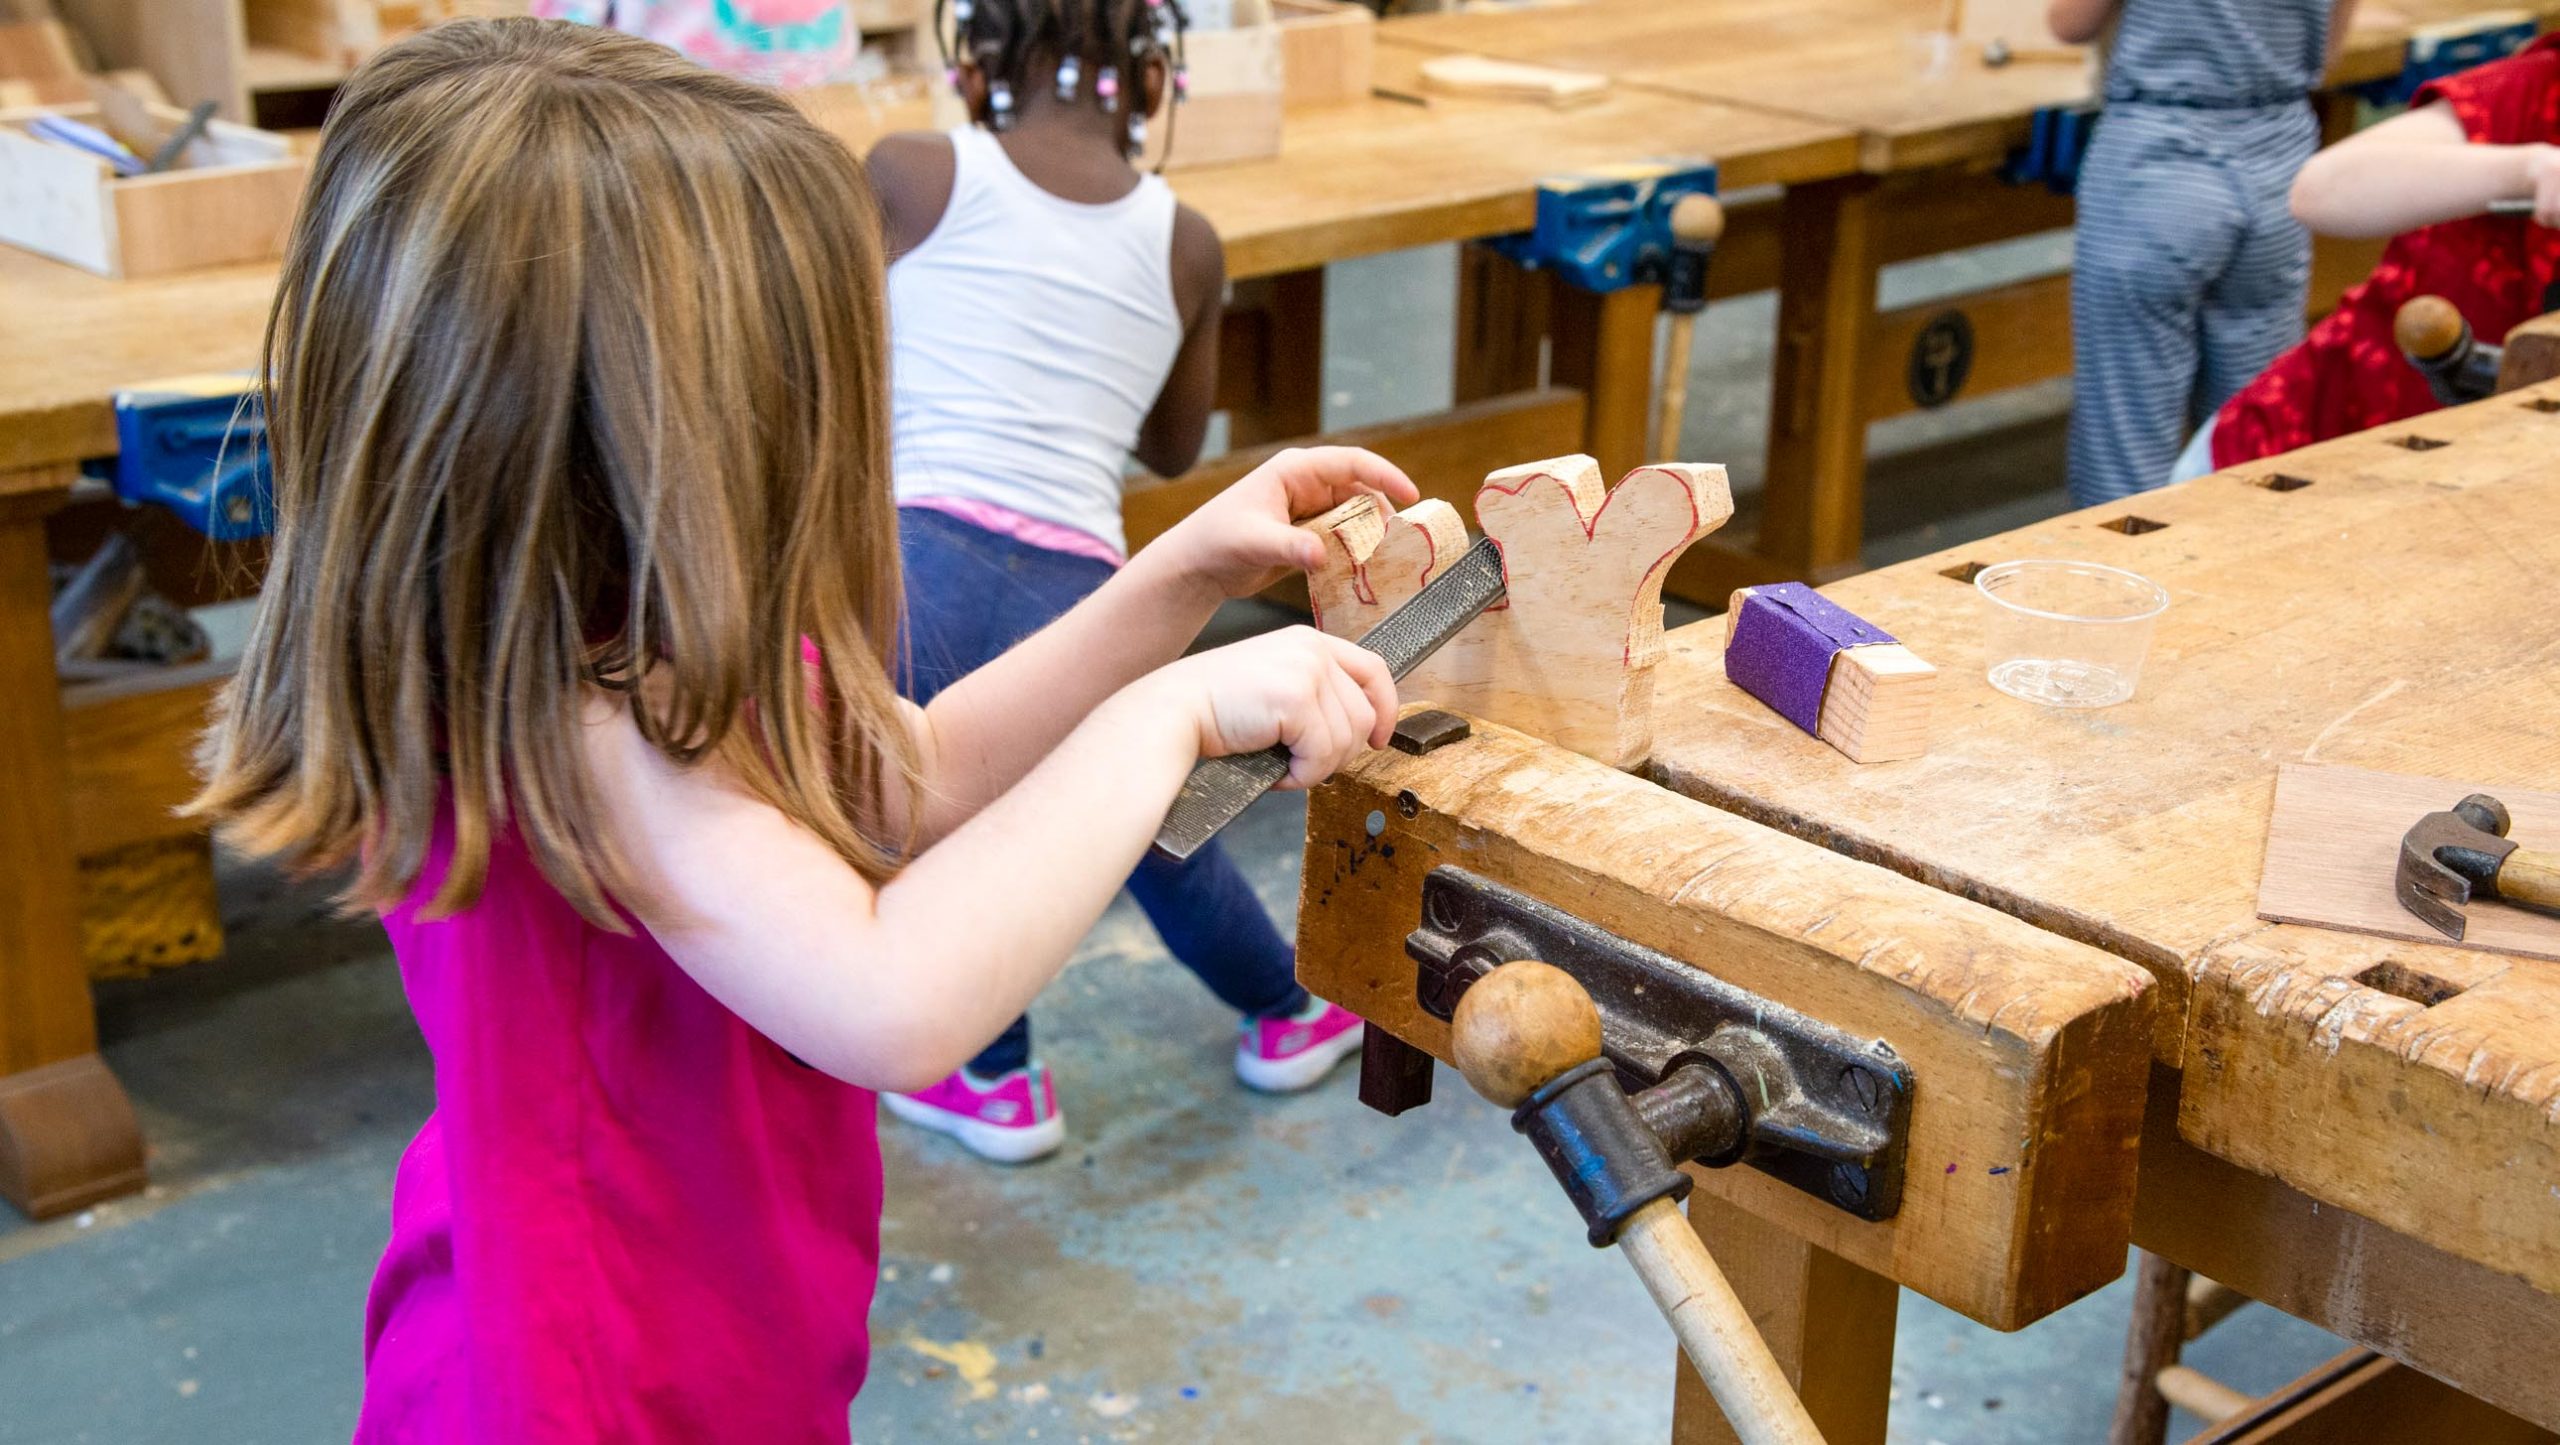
1295	1051
1011	1118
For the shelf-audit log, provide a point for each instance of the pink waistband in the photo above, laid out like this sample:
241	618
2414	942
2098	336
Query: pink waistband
1030	531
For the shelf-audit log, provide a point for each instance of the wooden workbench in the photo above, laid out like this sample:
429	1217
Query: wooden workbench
106	764
1934	125
2361	1132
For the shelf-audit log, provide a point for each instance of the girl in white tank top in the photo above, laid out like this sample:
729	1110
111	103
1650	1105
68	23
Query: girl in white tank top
1052	312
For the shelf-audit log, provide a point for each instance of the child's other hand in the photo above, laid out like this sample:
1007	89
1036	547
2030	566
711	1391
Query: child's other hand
2542	180
1324	699
1246	538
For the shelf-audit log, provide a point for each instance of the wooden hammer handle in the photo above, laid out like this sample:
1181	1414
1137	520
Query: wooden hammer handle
1715	1330
2530	876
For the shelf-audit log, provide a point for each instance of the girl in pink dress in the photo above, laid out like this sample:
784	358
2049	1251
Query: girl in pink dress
573	654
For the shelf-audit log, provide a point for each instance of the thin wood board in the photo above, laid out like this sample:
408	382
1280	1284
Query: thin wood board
2333	851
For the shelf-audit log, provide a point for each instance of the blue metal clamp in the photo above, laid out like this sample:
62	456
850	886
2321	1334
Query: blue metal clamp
1609	229
2057	139
197	445
2440	50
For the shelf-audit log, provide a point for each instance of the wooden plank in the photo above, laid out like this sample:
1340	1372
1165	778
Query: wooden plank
1480	77
186	220
2333	856
2477	1328
1447	454
129	762
1829	1323
2026	1049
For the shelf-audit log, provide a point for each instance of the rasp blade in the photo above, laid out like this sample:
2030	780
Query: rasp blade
1221	788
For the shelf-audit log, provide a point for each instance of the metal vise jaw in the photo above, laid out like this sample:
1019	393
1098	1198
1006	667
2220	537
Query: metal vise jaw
1609	229
1718	1075
196	445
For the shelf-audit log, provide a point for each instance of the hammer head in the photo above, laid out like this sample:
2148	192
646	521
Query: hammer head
2447	855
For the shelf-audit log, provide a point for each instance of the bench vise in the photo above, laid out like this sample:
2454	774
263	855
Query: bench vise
2436	51
2057	140
196	445
1608	229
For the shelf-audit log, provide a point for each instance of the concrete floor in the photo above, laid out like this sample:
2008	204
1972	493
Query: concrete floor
1198	1263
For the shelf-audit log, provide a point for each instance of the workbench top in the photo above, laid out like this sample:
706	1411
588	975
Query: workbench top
1351	180
1875	65
2385	607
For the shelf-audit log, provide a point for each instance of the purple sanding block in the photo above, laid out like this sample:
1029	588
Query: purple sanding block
1783	643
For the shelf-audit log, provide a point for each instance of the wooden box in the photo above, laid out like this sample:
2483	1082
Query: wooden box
1237	90
230	200
1328	50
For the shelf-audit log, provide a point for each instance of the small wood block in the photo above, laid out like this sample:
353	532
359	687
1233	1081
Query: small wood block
1488	79
1877	697
2333	853
1570	652
2530	353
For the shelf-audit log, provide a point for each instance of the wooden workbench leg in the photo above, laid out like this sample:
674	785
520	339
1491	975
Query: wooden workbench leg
1810	1305
2151	1344
1813	511
1289	402
1604	347
1505	312
67	1132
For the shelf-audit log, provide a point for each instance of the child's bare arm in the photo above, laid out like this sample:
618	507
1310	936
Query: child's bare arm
1169	439
986	731
2077	22
895	987
2418	169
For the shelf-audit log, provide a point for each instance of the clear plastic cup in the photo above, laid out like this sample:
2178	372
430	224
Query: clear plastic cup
2068	634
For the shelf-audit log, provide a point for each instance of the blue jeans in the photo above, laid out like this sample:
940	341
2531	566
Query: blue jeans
971	594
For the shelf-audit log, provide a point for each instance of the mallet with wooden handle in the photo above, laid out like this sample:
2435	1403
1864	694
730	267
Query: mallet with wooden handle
1527	1037
1697	223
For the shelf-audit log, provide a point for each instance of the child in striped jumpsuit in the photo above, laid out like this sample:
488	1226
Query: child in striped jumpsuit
2189	272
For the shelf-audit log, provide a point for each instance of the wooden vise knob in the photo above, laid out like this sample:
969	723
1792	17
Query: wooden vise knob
1697	220
2428	327
1520	1026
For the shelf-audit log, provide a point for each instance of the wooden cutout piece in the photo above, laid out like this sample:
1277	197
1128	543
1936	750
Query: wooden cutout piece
1569	655
2333	851
1876	700
1484	78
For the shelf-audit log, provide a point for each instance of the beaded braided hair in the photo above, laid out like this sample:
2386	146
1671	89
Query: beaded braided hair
1101	49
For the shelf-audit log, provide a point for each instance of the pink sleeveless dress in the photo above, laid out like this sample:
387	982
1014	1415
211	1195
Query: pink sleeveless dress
631	1216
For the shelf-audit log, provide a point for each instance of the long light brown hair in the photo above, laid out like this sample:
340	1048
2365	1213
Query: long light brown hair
576	375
